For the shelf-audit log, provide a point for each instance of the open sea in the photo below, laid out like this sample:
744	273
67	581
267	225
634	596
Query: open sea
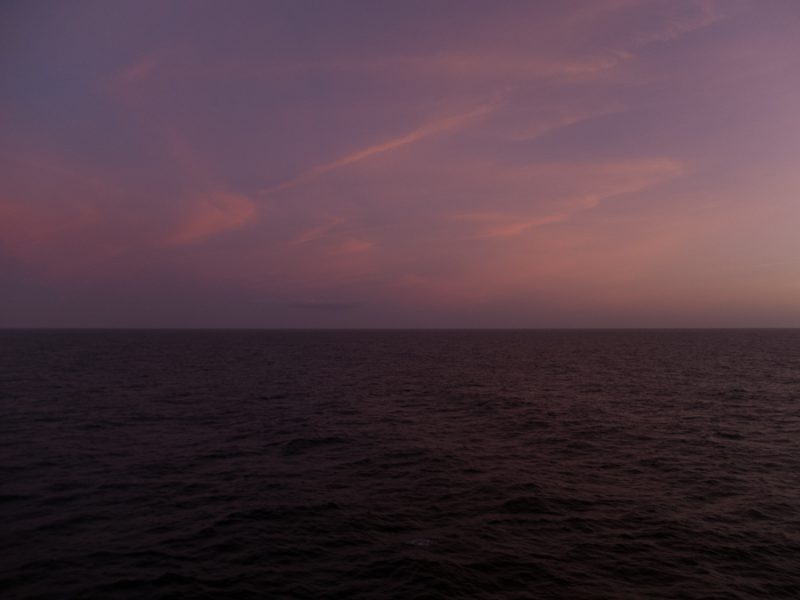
400	464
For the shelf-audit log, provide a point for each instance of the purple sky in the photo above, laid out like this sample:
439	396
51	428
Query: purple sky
430	163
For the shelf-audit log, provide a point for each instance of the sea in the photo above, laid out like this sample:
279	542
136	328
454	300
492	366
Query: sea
366	464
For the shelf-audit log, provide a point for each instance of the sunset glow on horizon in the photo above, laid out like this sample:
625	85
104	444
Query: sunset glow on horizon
585	163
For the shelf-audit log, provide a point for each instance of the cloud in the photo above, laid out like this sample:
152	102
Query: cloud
139	70
211	215
502	226
26	228
325	305
706	13
488	65
559	117
433	128
593	183
354	246
61	241
314	233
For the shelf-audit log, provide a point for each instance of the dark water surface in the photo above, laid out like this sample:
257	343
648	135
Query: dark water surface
486	465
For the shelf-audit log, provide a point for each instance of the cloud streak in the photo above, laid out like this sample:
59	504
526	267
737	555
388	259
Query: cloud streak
707	13
601	181
447	124
211	215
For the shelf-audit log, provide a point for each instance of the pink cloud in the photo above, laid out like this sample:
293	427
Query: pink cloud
427	130
702	13
139	70
494	64
586	186
313	233
355	246
557	117
57	241
211	215
25	226
503	226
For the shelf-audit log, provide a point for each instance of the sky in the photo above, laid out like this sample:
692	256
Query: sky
409	163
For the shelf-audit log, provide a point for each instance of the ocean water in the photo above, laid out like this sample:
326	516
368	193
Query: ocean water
400	464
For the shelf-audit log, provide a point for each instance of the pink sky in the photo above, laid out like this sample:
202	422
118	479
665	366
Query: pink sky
596	163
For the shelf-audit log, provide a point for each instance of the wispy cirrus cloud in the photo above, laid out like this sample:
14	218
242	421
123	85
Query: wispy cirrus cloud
499	225
210	215
513	65
598	182
699	15
27	229
138	71
354	245
557	117
433	128
313	233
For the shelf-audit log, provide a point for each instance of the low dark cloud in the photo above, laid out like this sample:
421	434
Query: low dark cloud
325	305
